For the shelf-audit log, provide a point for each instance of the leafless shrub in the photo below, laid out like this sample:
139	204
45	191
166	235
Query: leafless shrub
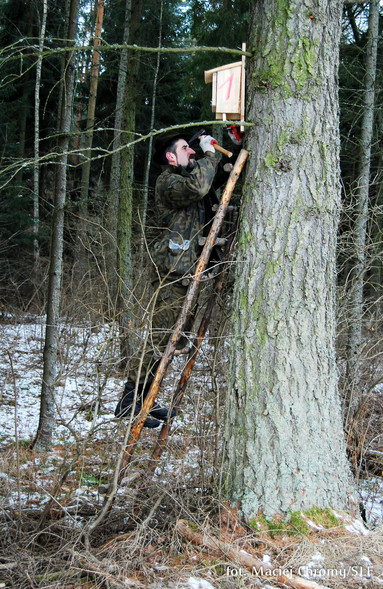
63	490
363	414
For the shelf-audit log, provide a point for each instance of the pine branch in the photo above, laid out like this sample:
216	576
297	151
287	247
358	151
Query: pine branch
33	50
13	168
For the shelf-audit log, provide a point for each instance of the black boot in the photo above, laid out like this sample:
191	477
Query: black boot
124	406
157	411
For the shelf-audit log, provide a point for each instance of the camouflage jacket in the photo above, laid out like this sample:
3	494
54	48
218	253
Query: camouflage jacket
183	203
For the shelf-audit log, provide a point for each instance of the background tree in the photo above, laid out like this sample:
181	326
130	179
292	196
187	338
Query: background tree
284	445
87	141
125	203
19	37
357	278
115	173
48	405
36	169
360	234
145	195
16	92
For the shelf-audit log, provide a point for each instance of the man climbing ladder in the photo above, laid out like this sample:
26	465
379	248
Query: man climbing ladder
184	197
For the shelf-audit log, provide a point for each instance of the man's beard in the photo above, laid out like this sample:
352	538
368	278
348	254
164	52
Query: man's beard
191	165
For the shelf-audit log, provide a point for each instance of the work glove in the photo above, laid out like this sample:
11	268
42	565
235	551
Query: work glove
207	143
235	135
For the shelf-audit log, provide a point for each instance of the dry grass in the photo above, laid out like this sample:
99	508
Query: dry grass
137	544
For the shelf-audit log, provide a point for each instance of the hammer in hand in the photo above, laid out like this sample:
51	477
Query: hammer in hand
217	147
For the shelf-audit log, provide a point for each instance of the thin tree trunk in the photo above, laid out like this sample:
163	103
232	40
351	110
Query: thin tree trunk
48	406
150	145
24	105
124	241
36	167
115	174
88	141
284	447
125	204
355	341
83	68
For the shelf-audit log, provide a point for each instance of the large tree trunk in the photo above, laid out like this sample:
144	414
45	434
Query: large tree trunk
48	405
284	440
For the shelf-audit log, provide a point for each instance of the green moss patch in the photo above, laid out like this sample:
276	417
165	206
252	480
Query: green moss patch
296	523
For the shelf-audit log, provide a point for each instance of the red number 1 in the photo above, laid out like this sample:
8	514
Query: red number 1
230	82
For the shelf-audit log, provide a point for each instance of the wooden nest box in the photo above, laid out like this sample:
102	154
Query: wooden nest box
228	90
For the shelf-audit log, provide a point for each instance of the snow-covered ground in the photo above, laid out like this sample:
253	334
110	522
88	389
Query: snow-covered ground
83	351
88	374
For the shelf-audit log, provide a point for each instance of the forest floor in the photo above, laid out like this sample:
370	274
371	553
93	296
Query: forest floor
169	531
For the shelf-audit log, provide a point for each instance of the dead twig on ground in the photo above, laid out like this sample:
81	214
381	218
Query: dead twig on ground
253	564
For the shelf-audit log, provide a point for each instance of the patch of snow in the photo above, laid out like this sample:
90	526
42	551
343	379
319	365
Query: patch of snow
266	558
244	552
355	526
317	557
198	583
310	523
4	476
371	493
313	525
81	351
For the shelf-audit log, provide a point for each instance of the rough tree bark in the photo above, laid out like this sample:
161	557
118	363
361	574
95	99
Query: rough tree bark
48	405
284	446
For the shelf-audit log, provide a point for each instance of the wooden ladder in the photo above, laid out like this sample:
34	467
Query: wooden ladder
176	335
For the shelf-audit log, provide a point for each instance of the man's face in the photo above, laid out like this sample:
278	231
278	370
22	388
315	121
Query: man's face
183	156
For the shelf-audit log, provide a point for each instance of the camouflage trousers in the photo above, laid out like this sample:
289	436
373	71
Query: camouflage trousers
170	299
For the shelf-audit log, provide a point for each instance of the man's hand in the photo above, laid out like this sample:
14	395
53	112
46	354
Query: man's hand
207	143
235	135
